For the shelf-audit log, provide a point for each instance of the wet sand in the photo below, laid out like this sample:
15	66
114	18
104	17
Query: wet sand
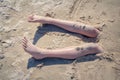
15	64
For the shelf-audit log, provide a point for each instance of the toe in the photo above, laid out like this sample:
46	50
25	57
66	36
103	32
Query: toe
27	41
24	42
24	45
30	18
25	38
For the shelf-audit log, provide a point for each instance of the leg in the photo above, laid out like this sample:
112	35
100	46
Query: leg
68	25
66	53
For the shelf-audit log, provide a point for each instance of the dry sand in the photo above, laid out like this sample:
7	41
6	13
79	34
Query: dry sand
15	64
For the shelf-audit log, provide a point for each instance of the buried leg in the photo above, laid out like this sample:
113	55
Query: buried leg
76	27
65	53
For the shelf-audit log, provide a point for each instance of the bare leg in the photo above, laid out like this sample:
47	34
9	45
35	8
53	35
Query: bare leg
66	53
68	25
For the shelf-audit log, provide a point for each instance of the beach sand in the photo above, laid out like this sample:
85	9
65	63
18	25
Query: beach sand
15	64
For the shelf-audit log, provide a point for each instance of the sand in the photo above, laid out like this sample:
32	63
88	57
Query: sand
15	64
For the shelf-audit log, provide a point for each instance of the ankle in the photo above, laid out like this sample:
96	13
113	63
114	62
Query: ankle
42	53
47	20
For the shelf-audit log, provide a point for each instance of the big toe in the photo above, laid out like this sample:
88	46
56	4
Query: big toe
24	42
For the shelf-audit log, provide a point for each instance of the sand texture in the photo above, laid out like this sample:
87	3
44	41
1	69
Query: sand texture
15	64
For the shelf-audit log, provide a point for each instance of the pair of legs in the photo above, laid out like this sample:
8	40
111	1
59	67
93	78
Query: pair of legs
66	53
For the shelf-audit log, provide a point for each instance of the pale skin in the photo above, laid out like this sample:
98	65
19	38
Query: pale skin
65	53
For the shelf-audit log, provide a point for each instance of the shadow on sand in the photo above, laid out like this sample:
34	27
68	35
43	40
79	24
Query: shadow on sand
57	61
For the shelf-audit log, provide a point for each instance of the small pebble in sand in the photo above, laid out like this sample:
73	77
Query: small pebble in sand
63	34
90	17
2	56
82	17
1	50
1	29
7	41
48	15
1	65
40	65
91	66
72	77
52	14
111	20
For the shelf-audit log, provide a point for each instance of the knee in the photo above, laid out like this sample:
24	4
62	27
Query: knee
95	48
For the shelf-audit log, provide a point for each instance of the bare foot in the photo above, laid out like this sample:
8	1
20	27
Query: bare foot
36	18
32	49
